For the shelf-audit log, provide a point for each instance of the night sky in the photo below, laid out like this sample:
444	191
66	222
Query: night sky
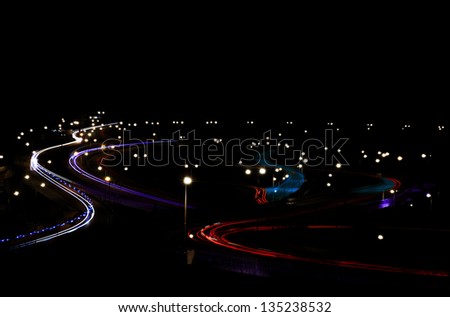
379	94
389	74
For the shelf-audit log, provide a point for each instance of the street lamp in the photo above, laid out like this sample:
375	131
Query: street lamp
392	191
431	200
187	181
189	253
108	180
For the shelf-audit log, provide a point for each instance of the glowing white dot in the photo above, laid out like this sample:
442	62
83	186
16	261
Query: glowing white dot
187	180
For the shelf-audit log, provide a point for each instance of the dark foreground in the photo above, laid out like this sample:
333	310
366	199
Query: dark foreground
109	259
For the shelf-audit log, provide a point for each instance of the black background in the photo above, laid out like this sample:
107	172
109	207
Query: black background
390	71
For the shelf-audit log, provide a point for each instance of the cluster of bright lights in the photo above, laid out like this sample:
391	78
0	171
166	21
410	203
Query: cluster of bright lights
406	126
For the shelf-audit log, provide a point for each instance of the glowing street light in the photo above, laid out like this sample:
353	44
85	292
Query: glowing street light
186	181
108	180
392	191
431	200
188	252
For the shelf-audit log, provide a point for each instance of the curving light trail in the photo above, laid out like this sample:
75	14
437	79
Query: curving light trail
67	186
385	184
221	234
76	167
224	235
291	183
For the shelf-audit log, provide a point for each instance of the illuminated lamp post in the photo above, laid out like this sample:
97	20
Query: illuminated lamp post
189	253
186	181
